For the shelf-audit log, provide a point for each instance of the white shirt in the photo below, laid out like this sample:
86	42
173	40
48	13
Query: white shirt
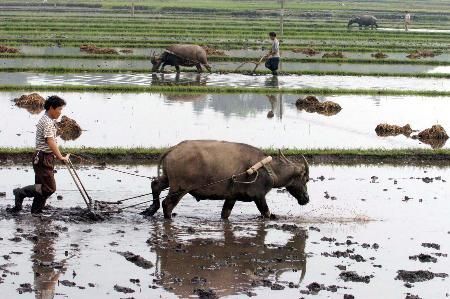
276	48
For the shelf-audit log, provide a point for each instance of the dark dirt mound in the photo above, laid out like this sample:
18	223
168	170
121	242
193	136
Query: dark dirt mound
121	289
307	51
337	54
436	136
25	288
312	105
432	245
136	259
205	294
126	51
5	49
411	296
424	258
418	276
393	130
34	103
379	55
213	51
93	49
353	276
68	129
417	54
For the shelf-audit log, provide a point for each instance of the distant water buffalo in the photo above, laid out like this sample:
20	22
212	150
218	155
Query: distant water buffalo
204	169
181	55
364	20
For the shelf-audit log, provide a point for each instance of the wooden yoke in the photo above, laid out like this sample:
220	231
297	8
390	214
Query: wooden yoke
258	165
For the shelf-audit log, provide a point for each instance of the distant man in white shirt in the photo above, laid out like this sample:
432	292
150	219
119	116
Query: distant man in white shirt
273	57
407	20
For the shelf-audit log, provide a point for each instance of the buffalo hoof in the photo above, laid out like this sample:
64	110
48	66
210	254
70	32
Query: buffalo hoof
150	211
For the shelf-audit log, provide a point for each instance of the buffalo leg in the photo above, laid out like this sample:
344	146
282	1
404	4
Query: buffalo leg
227	207
171	201
199	68
208	67
177	67
261	204
158	186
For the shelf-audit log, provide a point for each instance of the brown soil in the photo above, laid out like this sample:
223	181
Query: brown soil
92	49
379	55
34	103
393	130
126	51
307	51
68	129
213	51
5	49
418	276
421	54
354	277
312	105
337	54
136	259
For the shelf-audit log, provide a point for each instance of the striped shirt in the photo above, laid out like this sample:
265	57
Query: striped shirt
275	48
45	128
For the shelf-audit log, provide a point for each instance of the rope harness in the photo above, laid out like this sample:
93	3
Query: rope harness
105	206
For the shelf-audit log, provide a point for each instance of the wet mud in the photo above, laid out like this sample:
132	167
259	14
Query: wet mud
379	55
436	136
320	249
417	54
337	54
306	51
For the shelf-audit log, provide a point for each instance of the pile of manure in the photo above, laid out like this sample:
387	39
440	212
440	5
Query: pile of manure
337	54
34	103
213	51
68	129
92	49
312	105
393	130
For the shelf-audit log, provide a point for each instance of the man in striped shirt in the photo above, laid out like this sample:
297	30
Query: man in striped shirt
43	159
273	55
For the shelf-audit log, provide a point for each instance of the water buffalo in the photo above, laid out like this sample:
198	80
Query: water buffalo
184	55
365	20
204	169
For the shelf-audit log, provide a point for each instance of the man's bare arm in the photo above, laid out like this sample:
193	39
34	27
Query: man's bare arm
55	149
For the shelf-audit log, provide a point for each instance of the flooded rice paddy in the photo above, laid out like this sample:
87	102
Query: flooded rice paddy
272	120
99	64
228	80
374	220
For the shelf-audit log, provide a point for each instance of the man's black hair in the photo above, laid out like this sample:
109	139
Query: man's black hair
272	34
53	101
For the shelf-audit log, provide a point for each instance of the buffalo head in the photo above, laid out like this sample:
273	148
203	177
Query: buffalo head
353	20
297	176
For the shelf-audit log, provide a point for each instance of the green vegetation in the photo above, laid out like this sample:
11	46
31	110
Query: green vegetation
219	89
149	155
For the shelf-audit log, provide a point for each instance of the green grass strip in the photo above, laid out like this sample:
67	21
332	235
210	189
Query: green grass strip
151	154
221	89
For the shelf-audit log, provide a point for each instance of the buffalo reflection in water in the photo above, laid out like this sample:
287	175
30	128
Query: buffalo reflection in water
236	261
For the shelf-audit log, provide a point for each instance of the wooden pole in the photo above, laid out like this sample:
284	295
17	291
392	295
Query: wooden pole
281	27
132	9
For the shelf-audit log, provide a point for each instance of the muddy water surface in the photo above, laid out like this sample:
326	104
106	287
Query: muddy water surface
155	120
229	80
378	215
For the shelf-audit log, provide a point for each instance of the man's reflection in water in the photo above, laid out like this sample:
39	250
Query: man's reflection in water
46	270
272	82
229	259
176	79
274	99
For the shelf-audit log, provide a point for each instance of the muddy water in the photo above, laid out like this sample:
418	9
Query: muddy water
237	53
229	80
381	213
165	119
98	64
